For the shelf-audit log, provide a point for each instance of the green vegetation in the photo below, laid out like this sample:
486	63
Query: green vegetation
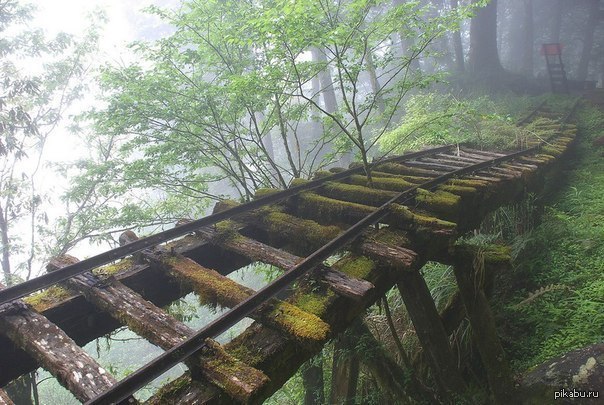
556	302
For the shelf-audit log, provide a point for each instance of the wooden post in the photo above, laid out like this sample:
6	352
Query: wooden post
312	377
484	332
430	332
4	399
345	372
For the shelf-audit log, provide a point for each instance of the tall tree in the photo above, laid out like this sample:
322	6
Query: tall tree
593	17
528	48
484	57
457	44
31	106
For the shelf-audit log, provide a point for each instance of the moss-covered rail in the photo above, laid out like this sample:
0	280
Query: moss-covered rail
382	233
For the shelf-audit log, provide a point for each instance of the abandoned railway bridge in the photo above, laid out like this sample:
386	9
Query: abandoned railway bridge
375	236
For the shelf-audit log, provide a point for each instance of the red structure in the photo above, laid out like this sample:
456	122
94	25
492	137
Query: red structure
555	67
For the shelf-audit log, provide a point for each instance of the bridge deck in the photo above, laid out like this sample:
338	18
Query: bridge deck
420	214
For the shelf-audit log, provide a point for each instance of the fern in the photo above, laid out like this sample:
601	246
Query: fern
539	292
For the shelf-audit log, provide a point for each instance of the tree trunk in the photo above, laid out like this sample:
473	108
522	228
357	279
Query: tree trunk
375	84
556	21
4	243
312	378
457	44
326	83
484	57
588	39
407	44
528	43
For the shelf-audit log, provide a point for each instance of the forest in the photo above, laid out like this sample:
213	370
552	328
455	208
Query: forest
217	100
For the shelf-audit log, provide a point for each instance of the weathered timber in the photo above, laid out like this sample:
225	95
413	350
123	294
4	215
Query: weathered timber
394	257
464	157
345	371
237	379
484	332
488	154
276	353
125	305
326	210
439	167
250	248
355	289
430	332
395	168
4	399
356	194
312	379
381	183
214	288
57	352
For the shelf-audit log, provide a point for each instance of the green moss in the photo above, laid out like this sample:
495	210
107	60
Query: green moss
404	215
304	233
439	201
239	380
355	266
297	182
492	252
474	183
226	230
462	191
326	209
211	287
321	174
166	394
382	183
357	194
263	192
113	269
392	237
396	168
313	303
225	205
47	298
244	354
299	323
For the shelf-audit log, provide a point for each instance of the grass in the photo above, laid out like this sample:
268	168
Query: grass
558	305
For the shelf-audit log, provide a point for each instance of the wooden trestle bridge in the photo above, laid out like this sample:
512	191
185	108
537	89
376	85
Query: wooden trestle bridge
376	237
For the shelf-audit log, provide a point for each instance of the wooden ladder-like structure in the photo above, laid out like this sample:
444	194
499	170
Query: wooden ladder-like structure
555	67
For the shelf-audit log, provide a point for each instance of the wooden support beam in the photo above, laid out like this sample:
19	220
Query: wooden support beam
430	332
484	331
125	305
214	288
345	371
51	347
4	399
161	329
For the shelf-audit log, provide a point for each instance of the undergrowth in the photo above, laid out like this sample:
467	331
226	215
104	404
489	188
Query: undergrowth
556	303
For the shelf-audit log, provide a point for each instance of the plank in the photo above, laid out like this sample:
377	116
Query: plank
54	350
127	306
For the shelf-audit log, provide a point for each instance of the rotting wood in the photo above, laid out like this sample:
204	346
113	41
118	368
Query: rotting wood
4	399
214	288
345	371
430	332
160	328
57	352
125	305
400	169
484	331
258	251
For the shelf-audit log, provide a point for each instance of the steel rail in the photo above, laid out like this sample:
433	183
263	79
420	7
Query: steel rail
126	387
49	279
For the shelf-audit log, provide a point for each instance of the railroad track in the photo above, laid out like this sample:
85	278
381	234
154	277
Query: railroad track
342	206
